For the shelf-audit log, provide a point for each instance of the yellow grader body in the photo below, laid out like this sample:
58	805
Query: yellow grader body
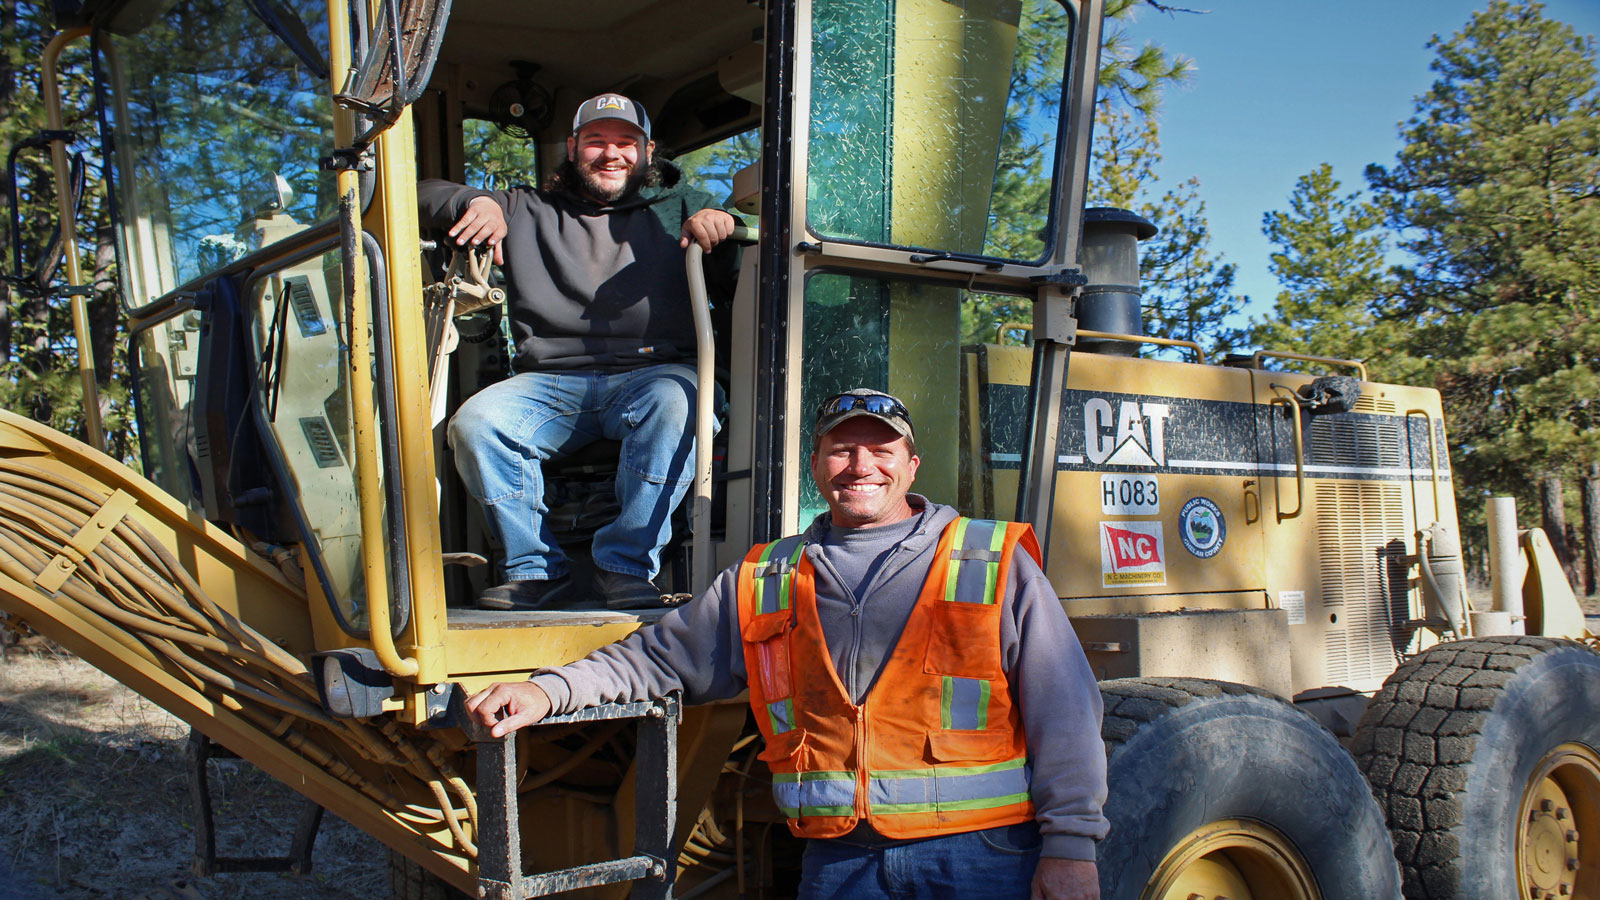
1260	555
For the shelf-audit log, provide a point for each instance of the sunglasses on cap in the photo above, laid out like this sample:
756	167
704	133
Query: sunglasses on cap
877	404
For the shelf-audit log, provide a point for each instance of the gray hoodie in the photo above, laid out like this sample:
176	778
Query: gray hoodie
696	649
591	286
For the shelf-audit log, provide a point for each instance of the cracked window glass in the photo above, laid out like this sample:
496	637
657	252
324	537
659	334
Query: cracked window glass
934	123
960	360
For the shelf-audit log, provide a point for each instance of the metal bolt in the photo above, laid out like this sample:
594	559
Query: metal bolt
1563	889
1561	812
1195	897
1547	805
1572	864
1572	836
655	712
438	689
657	870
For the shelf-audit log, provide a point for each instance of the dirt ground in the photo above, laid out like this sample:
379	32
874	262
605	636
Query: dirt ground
94	797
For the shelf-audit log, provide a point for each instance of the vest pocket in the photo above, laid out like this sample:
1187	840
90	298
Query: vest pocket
768	638
969	746
963	640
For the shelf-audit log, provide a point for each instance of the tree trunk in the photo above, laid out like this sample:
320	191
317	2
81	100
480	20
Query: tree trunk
1591	529
8	89
1552	509
103	304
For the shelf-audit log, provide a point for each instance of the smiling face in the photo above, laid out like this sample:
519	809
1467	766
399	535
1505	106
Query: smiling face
864	469
611	157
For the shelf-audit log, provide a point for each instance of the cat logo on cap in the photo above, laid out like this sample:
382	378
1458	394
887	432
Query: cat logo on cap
611	101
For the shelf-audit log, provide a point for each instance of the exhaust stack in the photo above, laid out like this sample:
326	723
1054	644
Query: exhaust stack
1110	258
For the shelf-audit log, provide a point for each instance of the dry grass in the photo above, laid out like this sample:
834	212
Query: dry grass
94	792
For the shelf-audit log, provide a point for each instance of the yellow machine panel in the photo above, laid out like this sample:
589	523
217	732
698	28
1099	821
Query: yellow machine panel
1183	486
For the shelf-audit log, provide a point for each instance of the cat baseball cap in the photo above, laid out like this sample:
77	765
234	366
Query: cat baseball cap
611	106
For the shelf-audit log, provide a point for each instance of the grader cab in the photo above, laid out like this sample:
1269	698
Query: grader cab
1260	563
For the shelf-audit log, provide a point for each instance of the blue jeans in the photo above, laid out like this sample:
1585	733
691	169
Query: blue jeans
503	434
993	863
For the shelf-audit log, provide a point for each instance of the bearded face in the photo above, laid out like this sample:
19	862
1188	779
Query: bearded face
612	159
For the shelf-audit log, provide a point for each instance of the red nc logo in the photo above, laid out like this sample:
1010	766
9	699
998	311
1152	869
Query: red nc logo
1132	548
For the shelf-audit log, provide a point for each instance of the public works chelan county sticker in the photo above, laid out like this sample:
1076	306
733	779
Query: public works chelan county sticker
1201	527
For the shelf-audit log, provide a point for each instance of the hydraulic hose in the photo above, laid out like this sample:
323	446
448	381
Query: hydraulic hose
138	593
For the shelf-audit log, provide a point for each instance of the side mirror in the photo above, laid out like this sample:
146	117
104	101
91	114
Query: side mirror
37	281
401	49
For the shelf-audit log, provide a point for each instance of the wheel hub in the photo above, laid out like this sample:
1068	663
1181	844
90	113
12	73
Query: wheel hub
1562	803
1233	859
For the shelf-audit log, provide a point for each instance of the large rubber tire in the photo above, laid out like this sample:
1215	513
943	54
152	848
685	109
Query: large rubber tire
1187	757
408	880
1458	745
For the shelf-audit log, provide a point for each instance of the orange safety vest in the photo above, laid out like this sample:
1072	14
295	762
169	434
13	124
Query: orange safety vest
936	747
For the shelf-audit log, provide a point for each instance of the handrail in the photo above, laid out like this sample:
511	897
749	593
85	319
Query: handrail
1358	365
1001	329
705	394
69	236
1293	404
1200	355
363	416
1433	455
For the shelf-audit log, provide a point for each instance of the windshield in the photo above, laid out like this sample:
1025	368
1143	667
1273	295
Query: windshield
934	125
218	127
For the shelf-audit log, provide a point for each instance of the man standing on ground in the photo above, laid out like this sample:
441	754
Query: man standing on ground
599	305
892	636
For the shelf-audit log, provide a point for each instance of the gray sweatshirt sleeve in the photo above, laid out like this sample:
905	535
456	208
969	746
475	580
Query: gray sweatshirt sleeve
695	649
440	203
1060	704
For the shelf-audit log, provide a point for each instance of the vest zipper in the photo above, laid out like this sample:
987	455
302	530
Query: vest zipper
863	771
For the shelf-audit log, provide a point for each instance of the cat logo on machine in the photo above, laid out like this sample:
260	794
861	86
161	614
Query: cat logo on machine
1132	435
1201	527
1131	554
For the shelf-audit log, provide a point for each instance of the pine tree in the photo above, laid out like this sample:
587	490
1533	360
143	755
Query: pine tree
1330	262
1188	291
1497	194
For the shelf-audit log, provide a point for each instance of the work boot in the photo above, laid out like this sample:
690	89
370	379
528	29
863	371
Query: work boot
526	596
627	591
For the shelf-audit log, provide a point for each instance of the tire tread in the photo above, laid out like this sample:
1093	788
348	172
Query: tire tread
1416	741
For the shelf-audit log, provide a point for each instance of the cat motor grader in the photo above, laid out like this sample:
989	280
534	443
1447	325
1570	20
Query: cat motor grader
1263	565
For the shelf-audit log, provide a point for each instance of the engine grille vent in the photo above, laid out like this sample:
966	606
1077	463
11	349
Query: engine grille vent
1358	440
1361	545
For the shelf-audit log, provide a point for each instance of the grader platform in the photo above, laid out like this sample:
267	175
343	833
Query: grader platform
1261	556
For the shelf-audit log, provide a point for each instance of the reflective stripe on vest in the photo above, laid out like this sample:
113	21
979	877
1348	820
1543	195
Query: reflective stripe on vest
775	573
902	792
945	789
975	561
974	572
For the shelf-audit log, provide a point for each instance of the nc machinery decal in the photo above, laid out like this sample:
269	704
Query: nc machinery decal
1131	554
1201	527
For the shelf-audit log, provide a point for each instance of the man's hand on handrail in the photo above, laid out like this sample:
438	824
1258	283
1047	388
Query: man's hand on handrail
708	228
507	706
483	222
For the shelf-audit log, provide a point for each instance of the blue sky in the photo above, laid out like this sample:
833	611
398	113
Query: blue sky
1283	85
